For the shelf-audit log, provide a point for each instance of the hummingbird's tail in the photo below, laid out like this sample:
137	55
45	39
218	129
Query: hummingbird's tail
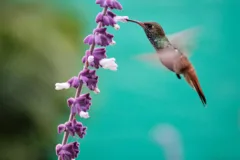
192	79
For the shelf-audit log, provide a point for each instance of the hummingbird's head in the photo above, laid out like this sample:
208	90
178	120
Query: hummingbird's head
152	29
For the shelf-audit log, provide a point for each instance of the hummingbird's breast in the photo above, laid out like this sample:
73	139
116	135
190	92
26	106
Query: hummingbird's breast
168	57
159	42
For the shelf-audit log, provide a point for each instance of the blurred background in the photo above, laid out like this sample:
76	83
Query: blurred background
143	112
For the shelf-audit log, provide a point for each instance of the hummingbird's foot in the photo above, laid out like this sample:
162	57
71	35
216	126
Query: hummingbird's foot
178	76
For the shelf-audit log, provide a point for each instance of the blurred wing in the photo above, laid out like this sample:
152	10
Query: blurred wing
150	58
185	40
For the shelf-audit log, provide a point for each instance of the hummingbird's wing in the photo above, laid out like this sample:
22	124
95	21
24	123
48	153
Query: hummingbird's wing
185	40
150	58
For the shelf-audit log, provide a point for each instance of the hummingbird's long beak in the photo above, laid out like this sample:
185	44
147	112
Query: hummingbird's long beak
139	23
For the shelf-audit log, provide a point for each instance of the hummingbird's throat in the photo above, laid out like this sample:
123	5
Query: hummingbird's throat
158	42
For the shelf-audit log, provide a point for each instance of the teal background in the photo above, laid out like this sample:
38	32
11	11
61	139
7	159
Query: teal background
139	98
143	111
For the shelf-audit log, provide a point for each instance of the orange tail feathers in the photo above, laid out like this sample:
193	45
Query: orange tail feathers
192	79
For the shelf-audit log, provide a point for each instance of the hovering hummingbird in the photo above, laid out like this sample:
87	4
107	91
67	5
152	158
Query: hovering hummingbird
172	53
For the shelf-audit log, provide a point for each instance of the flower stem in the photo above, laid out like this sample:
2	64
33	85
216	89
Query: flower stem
79	89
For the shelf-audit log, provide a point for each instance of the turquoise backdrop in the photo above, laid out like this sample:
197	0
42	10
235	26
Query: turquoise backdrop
145	112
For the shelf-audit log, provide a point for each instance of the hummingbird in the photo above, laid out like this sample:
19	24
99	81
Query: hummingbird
172	54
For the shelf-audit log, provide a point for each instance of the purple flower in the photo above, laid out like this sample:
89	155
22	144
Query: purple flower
80	130
95	58
73	127
73	82
90	39
110	19
67	151
103	38
82	103
89	78
113	4
106	20
100	37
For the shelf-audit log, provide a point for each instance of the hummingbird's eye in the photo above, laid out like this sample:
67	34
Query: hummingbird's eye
149	26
